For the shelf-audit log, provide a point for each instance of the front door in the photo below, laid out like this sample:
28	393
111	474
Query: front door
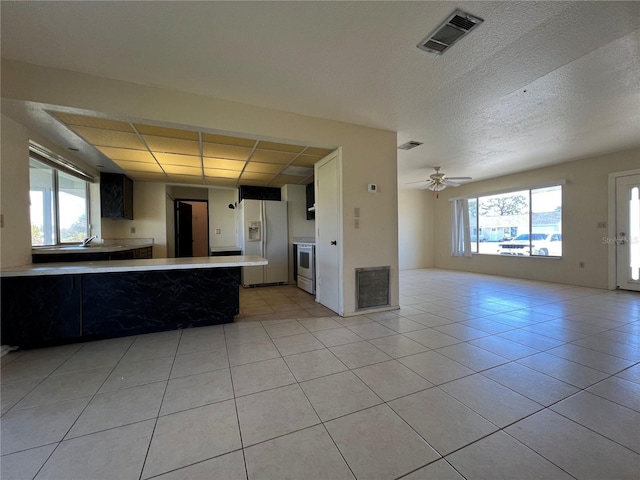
628	232
184	229
328	240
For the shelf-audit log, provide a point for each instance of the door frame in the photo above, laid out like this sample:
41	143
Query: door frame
175	220
611	225
337	156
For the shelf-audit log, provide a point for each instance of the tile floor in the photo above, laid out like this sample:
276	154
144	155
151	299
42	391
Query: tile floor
475	377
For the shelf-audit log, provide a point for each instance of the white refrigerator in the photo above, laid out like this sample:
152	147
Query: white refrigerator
263	230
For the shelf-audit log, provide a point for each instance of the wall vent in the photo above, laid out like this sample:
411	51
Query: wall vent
409	145
372	287
453	29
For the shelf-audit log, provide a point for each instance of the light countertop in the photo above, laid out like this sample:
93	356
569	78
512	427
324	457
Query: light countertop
113	266
96	248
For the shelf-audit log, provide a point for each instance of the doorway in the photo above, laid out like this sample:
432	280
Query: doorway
192	228
627	232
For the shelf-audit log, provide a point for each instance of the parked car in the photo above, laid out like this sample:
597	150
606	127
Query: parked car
525	244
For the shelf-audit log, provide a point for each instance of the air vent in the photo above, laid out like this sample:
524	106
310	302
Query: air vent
453	29
409	145
372	287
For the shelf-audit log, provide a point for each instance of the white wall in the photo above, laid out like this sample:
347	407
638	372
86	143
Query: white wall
15	236
369	155
415	229
299	226
585	203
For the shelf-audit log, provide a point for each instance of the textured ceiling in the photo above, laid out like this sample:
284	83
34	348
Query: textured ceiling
537	83
150	153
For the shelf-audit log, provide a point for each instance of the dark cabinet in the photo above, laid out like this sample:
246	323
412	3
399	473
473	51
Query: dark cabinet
311	202
251	192
39	310
116	196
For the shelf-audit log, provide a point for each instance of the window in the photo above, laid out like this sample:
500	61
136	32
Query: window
58	205
521	223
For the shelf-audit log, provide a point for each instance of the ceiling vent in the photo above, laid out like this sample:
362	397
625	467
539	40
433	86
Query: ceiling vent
453	29
409	145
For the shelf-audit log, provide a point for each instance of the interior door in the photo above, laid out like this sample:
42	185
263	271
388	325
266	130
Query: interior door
328	238
628	232
184	229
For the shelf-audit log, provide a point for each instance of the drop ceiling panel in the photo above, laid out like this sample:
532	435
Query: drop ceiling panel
127	154
288	179
172	145
260	177
180	170
235	165
227	140
166	132
94	122
147	176
190	179
175	159
280	147
232	152
268	156
306	160
109	138
220	182
257	167
212	172
138	166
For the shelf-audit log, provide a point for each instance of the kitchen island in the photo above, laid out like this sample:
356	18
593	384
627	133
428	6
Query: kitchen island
66	302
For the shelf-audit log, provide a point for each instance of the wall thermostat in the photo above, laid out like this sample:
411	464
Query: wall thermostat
372	188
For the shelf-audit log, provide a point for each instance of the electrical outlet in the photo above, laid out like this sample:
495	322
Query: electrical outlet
581	264
1	220
357	223
601	225
356	212
133	229
218	231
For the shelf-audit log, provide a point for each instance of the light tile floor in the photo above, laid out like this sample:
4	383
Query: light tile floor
476	377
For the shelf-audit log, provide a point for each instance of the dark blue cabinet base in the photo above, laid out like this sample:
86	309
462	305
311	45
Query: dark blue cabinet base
36	311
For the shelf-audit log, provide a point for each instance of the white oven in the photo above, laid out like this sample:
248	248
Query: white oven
306	267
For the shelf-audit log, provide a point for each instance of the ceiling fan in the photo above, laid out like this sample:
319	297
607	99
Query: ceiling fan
439	181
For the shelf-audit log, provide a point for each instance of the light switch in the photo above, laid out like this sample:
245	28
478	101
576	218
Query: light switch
133	229
356	212
218	231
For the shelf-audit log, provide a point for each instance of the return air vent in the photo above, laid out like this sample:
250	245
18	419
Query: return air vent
372	287
453	29
409	145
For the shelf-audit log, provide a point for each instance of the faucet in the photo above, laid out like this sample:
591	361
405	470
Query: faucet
88	240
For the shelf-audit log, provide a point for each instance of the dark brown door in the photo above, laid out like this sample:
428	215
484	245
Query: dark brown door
184	230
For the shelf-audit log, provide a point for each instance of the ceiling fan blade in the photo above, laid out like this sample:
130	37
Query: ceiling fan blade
449	183
459	178
419	181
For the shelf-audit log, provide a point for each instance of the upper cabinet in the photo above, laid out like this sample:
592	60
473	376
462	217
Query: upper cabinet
116	196
311	202
250	192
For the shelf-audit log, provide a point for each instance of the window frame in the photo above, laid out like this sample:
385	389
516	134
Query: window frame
475	244
59	165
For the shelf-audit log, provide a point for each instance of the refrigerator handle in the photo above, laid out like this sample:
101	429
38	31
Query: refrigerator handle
264	230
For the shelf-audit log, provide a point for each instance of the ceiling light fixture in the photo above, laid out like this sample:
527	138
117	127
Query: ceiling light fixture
458	25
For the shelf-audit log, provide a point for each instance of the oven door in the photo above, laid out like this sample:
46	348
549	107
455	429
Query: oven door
305	261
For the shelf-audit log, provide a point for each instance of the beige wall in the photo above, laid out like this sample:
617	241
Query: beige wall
415	228
585	203
369	155
222	217
15	236
299	226
149	218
